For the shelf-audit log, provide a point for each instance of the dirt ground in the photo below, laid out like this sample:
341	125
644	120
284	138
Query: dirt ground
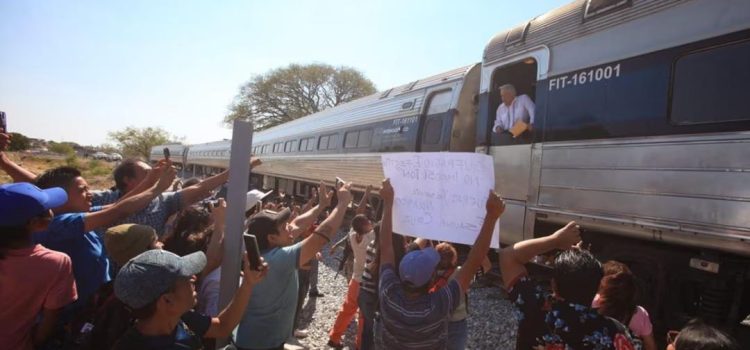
98	173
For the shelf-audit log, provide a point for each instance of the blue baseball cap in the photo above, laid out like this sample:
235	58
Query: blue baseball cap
417	267
22	201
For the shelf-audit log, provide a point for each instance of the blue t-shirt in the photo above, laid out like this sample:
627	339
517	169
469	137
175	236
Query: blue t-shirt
269	317
86	250
414	323
154	215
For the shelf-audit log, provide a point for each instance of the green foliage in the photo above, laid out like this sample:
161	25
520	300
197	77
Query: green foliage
72	160
63	148
135	142
19	142
292	92
97	168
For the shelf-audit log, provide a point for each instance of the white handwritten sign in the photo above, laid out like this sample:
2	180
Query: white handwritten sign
440	196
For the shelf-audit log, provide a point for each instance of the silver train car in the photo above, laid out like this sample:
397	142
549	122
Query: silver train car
177	153
640	134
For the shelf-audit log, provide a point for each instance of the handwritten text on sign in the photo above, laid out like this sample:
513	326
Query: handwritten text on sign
440	196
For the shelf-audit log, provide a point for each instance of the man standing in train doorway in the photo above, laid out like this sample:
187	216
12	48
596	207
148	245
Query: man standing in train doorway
515	117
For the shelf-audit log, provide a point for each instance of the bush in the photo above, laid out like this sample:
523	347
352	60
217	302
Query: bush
72	160
62	148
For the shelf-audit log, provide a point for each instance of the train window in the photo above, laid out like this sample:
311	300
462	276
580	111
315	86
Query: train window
433	129
310	144
600	7
294	145
288	146
350	140
323	142
708	85
277	147
303	144
333	141
266	148
440	102
365	137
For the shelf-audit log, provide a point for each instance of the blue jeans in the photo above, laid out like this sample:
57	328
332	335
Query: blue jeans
368	303
458	334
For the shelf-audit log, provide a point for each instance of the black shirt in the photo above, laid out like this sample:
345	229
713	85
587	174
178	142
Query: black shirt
187	335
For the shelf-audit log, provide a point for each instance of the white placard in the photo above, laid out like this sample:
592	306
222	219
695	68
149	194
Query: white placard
440	196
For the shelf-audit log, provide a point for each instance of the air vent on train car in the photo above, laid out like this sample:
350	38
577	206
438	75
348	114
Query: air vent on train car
601	7
410	86
517	34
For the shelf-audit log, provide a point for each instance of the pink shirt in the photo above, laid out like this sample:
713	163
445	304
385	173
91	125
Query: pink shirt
31	279
640	323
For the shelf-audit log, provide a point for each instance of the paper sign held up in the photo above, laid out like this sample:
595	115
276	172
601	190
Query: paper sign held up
440	196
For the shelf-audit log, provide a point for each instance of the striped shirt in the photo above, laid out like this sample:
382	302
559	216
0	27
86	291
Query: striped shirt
414	323
369	282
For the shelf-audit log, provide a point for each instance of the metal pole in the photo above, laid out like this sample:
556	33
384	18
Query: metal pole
239	168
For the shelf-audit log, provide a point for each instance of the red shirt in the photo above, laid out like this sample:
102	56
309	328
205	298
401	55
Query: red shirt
31	279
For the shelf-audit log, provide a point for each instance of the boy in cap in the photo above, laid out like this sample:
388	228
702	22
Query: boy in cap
411	317
160	288
33	279
72	229
269	319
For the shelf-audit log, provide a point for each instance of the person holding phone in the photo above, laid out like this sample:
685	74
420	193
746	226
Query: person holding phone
269	320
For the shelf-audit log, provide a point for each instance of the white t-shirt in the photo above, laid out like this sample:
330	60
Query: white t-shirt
360	252
522	108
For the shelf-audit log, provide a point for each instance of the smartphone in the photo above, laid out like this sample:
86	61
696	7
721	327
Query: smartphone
253	253
166	153
339	182
3	123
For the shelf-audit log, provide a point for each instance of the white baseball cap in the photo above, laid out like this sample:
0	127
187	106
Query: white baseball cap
254	197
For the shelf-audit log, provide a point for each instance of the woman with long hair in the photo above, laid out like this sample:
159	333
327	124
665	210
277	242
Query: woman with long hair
616	298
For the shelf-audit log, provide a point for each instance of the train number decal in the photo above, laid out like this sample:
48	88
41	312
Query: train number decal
585	77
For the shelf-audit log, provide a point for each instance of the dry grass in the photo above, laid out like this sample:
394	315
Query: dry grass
98	173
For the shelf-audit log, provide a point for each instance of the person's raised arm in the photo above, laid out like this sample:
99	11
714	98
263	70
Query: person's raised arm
203	189
362	208
328	228
129	206
223	324
513	258
15	171
386	225
215	248
495	207
303	222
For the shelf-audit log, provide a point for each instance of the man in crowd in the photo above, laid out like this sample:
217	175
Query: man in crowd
411	317
513	111
34	281
160	288
129	180
359	238
563	319
72	229
269	319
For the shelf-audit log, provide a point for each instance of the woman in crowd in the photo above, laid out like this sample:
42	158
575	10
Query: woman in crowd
616	298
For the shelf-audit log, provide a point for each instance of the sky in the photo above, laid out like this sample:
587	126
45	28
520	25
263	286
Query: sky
76	70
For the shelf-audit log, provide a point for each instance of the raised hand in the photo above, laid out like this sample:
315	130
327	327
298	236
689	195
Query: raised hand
568	236
166	176
344	195
253	276
386	191
495	205
219	211
325	195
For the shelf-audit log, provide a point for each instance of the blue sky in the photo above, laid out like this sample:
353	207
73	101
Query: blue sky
74	70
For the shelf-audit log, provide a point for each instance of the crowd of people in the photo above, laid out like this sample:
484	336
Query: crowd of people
138	267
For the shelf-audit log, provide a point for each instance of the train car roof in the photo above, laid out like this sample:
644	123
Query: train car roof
584	33
380	105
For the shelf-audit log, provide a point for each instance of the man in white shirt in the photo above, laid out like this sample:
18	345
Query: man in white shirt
513	109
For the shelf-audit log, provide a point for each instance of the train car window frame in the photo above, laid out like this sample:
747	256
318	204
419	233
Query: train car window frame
310	144
437	96
350	139
363	142
323	142
684	88
333	141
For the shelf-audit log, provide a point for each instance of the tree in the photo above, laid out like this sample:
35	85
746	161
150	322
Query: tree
137	142
291	92
64	148
19	142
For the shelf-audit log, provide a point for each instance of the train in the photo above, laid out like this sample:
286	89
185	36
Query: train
641	135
